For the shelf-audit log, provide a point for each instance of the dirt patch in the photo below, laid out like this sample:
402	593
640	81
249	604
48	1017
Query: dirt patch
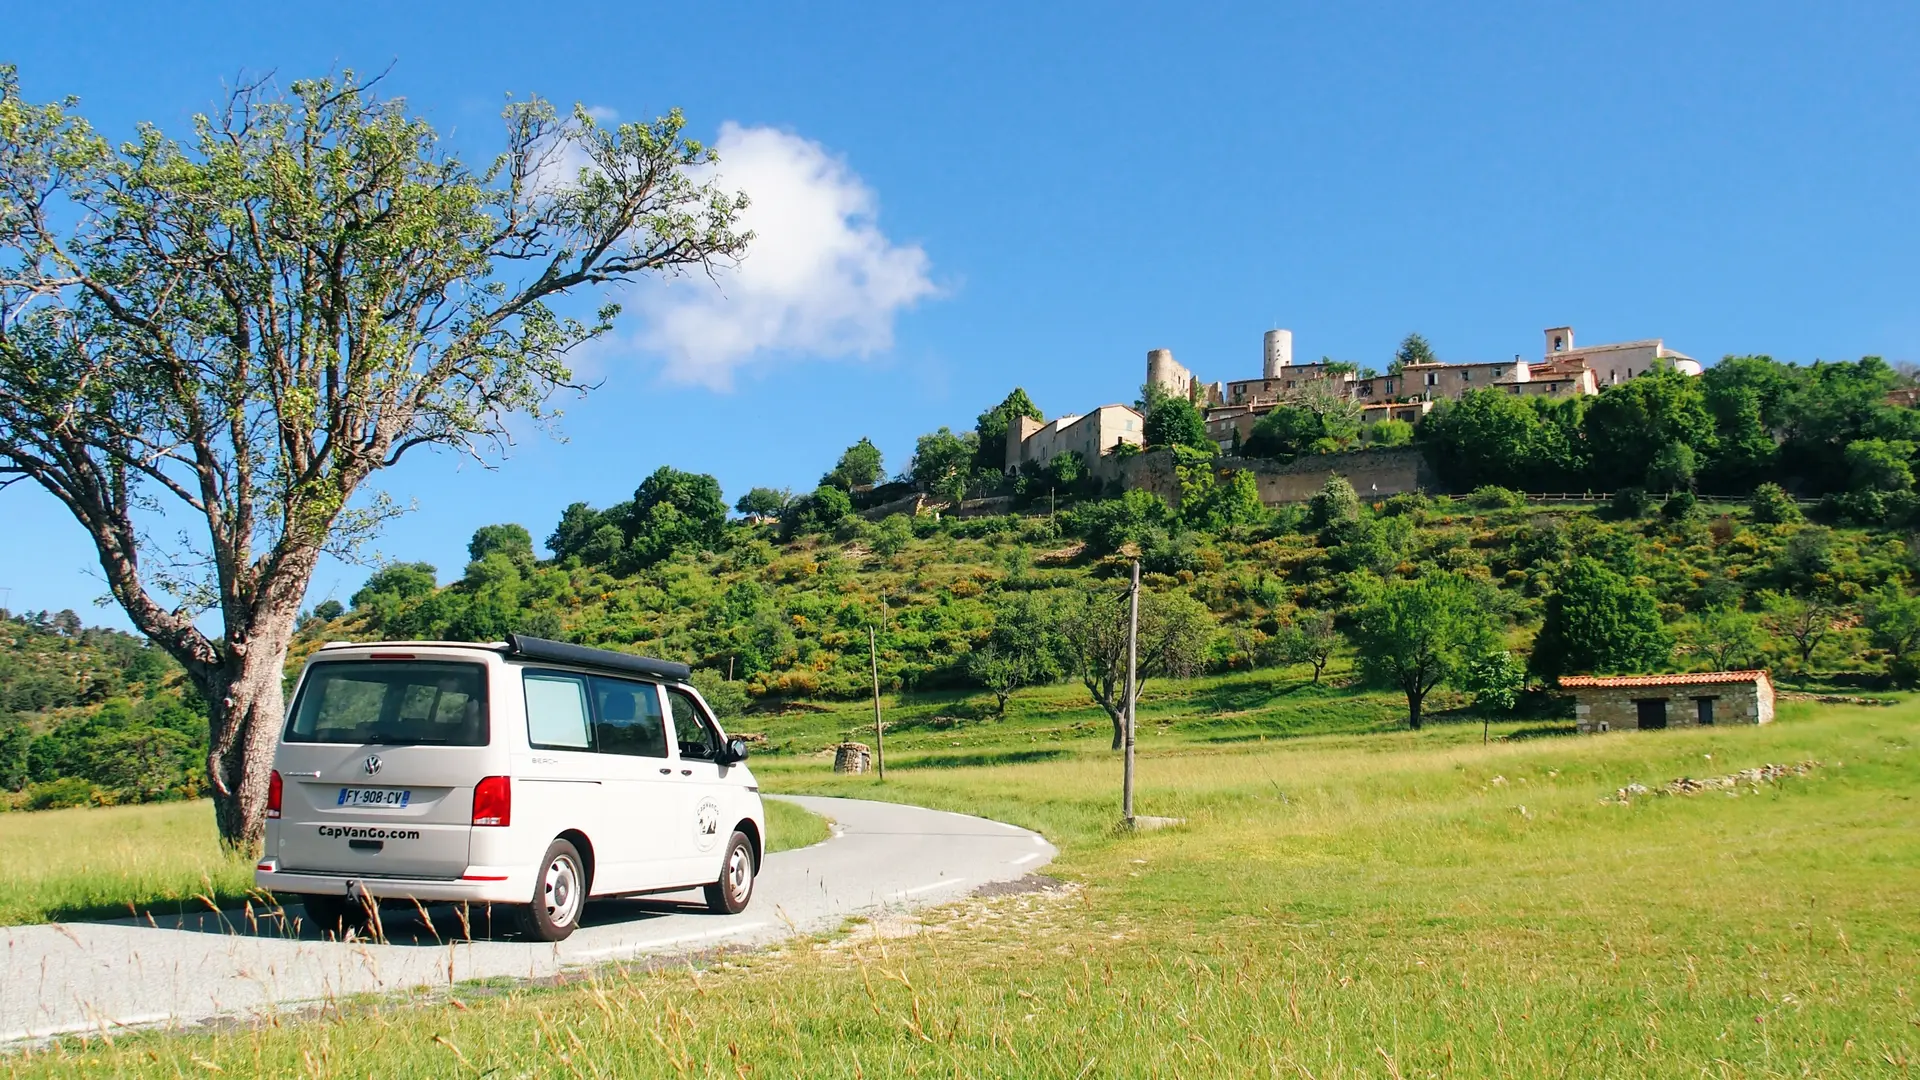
1032	883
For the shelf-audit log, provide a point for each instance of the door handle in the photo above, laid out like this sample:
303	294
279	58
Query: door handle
666	772
686	772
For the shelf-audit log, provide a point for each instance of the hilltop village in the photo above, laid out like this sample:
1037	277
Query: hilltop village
1108	437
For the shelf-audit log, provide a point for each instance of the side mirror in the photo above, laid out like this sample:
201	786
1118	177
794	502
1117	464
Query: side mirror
736	752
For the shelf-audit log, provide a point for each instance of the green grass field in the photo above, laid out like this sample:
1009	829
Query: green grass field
95	863
1364	903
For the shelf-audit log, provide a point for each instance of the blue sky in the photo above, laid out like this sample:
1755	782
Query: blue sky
1035	195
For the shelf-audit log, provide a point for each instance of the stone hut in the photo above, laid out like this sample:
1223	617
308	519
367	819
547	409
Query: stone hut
1608	702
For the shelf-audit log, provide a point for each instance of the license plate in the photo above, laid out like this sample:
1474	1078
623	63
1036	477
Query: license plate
374	796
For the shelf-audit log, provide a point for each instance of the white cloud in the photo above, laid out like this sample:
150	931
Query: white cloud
819	278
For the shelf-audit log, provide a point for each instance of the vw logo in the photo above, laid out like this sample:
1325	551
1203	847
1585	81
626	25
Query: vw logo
373	764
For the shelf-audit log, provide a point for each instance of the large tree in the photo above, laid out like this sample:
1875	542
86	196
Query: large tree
1629	424
675	511
859	466
1413	349
239	328
1175	631
1310	421
1893	626
990	453
1598	621
942	464
1415	635
1177	422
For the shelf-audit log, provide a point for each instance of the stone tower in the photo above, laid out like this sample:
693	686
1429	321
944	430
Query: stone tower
1277	353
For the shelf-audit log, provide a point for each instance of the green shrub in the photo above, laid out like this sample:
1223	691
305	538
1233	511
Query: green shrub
1111	524
1680	506
1494	497
60	794
1388	433
1864	507
727	697
1170	553
1336	504
1412	503
1631	503
1773	506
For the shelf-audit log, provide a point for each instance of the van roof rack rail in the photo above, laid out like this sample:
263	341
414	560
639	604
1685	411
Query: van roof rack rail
561	652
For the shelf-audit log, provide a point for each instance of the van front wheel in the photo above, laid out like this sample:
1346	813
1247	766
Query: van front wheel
730	894
559	895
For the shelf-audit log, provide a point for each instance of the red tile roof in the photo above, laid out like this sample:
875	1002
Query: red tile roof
1692	678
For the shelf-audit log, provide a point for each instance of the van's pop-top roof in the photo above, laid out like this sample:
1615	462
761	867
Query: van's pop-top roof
561	652
557	652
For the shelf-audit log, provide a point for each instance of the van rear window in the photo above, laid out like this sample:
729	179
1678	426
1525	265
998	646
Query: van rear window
417	702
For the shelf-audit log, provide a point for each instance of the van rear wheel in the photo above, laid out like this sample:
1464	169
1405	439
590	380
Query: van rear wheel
336	914
730	894
559	895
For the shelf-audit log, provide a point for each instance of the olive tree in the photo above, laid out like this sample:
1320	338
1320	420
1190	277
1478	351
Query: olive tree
221	338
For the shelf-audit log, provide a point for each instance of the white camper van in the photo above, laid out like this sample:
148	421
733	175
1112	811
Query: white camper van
533	774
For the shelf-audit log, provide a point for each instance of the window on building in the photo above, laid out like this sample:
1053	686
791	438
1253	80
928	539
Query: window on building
1387	388
1466	374
1703	710
1496	372
1433	378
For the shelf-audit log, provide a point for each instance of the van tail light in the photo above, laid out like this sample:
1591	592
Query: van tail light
493	801
274	785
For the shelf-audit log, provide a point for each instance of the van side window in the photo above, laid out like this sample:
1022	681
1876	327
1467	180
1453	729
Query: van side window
557	711
627	718
695	734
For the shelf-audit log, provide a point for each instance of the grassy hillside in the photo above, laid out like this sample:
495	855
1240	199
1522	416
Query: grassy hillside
91	715
1342	905
789	618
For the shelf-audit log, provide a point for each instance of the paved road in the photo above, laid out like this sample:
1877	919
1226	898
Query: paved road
102	976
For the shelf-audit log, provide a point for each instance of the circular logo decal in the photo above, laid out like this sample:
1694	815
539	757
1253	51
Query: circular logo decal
706	824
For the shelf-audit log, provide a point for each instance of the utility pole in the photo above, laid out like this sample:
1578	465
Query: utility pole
1133	657
879	747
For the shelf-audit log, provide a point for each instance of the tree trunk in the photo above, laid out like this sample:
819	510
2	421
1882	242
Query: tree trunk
1119	718
1414	700
244	717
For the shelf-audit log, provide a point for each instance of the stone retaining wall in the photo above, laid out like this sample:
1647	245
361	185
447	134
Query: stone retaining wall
1375	474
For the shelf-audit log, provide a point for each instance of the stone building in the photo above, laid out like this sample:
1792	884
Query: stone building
1093	436
1612	702
1613	364
1433	382
1553	378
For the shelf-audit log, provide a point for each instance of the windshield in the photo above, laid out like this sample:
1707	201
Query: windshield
386	702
